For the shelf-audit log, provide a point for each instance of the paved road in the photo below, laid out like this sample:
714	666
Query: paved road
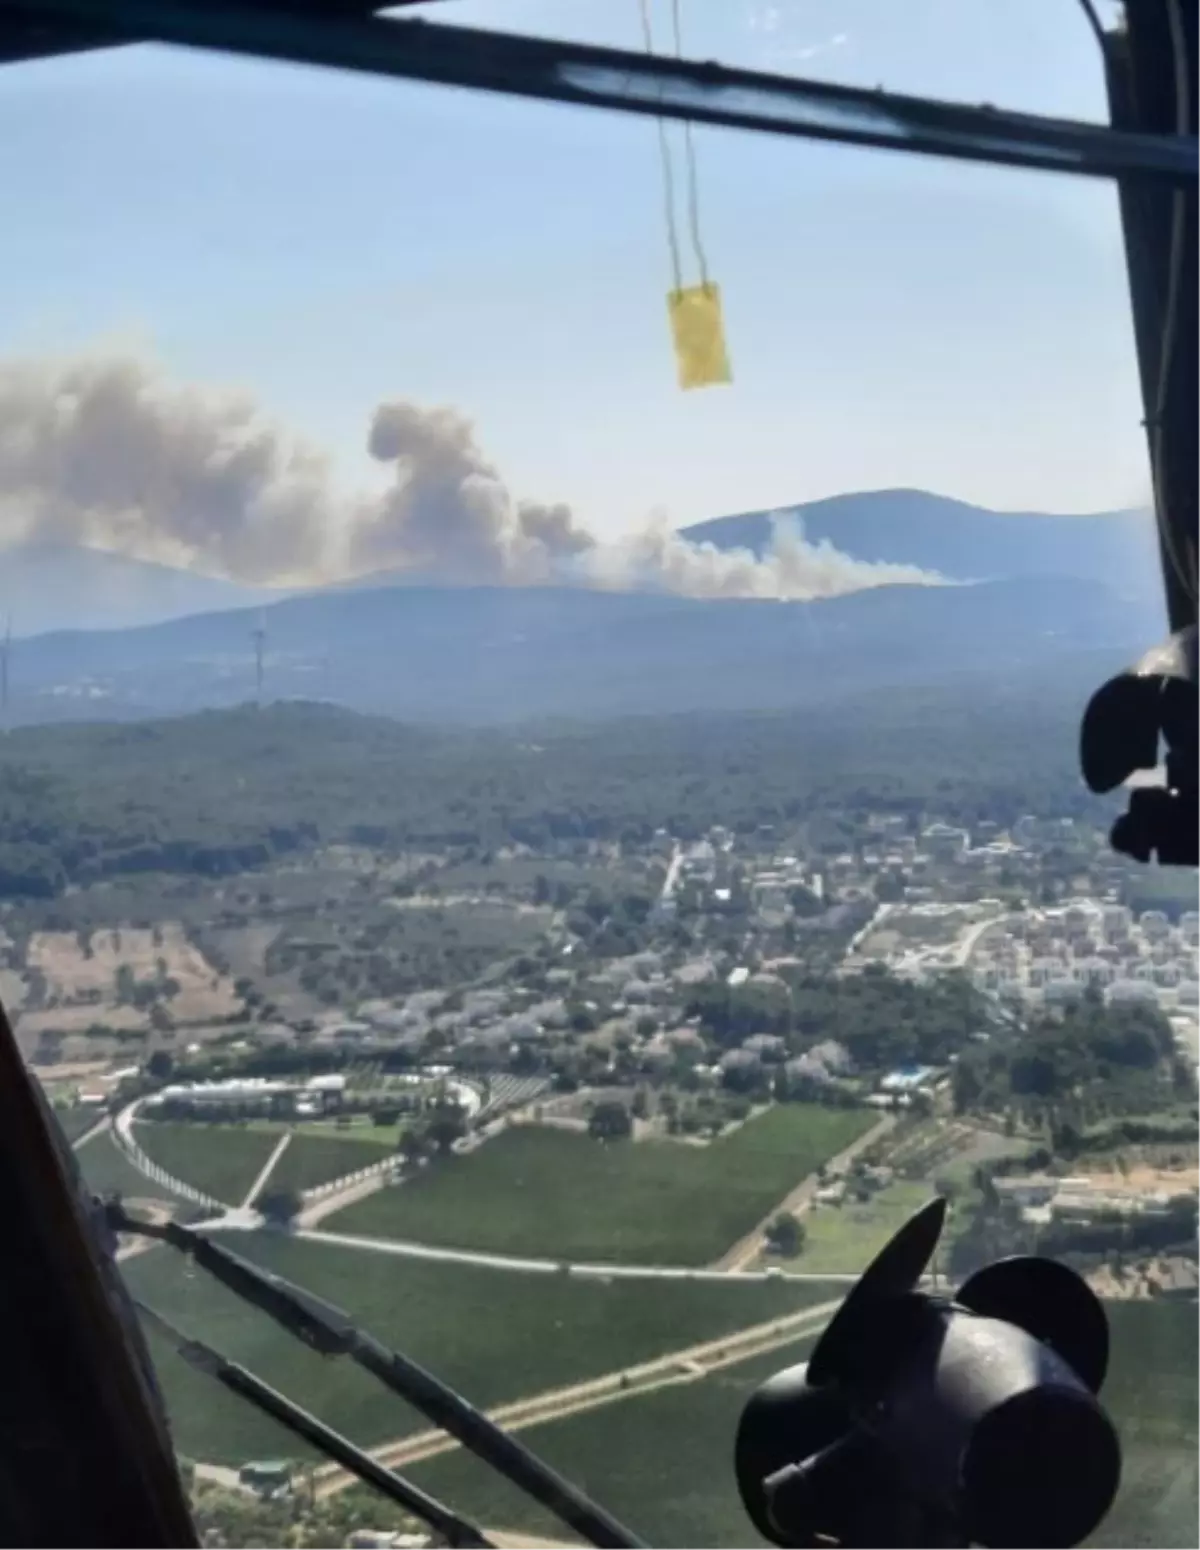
339	1199
98	1128
747	1250
672	877
268	1168
403	1249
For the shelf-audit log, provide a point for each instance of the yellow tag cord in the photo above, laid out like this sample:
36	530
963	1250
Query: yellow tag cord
699	336
697	328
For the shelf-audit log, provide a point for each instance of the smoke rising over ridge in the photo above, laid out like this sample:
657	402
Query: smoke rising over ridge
104	451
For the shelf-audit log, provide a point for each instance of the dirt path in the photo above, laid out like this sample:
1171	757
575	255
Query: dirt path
327	1205
268	1169
686	1366
527	1542
747	1249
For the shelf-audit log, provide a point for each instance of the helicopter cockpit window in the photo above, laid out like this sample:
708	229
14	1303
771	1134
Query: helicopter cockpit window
542	660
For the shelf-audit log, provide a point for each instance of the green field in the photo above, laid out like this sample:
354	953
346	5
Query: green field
107	1170
221	1160
310	1159
541	1191
847	1237
77	1119
354	1127
663	1463
494	1334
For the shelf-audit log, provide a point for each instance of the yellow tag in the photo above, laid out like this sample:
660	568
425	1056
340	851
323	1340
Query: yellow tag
699	336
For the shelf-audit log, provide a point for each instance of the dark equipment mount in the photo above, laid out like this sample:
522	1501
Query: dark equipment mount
1151	75
919	1420
927	1420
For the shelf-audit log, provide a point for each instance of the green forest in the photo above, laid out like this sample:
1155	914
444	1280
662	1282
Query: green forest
226	791
1079	1068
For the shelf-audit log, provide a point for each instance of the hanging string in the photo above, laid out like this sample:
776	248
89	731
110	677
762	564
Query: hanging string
690	154
667	173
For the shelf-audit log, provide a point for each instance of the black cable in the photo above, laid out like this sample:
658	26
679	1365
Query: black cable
1089	10
239	1380
332	1332
547	69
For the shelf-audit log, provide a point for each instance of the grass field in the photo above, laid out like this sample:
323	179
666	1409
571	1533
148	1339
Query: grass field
538	1190
847	1237
494	1334
78	1120
106	1170
309	1159
359	1128
221	1160
664	1463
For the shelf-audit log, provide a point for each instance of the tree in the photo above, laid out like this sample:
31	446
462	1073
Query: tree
446	1125
280	1207
786	1235
161	1064
804	901
412	1145
610	1121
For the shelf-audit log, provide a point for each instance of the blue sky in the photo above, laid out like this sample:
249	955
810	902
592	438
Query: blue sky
327	242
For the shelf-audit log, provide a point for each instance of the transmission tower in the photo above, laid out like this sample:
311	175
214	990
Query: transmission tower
5	653
259	637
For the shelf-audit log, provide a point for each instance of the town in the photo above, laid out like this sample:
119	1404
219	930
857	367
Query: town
746	1054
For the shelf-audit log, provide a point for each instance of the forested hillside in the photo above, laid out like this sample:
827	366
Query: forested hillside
222	791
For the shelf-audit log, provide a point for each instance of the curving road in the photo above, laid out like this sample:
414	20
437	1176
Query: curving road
403	1249
731	1267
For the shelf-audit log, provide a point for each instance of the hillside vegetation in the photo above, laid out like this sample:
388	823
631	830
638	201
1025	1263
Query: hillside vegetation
221	792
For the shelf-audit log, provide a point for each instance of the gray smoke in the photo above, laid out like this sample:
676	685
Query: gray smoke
659	559
100	451
103	451
449	514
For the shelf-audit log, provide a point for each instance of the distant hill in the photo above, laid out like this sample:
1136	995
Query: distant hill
506	654
145	639
55	586
960	541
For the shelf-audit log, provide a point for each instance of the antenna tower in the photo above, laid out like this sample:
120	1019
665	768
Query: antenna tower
5	653
259	637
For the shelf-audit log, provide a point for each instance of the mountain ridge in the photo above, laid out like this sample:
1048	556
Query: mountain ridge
501	654
48	587
955	538
42	583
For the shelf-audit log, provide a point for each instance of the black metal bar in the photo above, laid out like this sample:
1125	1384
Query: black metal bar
333	1332
25	38
301	1423
624	81
488	1442
1150	67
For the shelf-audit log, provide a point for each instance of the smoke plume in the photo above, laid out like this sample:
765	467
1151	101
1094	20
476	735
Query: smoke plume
104	451
449	514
